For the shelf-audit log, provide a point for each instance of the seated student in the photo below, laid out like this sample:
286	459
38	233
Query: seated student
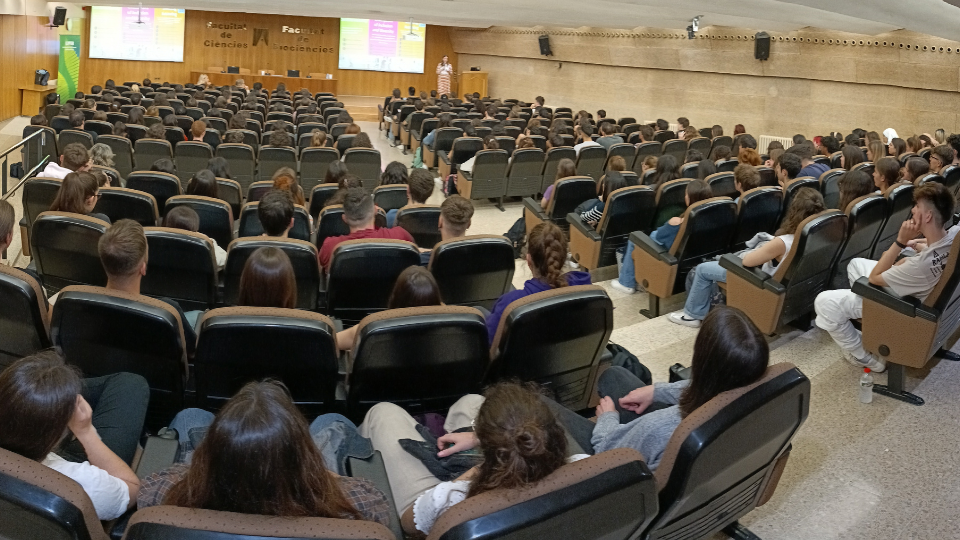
361	140
39	120
591	211
729	353
74	158
318	139
565	169
359	214
43	401
787	167
285	179
203	184
748	154
609	137
745	178
164	165
276	213
649	162
851	155
692	156
415	287
76	122
173	136
186	218
853	185
420	186
197	129
258	456
720	153
646	134
626	282
914	276
916	167
443	120
78	194
519	438
667	169
455	217
393	174
268	280
583	134
767	255
546	255
705	168
489	143
810	168
219	167
940	157
157	132
828	145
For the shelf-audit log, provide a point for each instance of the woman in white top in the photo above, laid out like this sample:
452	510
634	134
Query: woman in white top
519	439
768	256
94	423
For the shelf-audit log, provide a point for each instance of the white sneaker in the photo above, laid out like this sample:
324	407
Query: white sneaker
677	317
876	365
621	287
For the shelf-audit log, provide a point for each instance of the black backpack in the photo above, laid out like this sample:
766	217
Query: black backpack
518	237
627	360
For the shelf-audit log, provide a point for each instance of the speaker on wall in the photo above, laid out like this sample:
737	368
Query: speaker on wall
761	50
59	16
545	45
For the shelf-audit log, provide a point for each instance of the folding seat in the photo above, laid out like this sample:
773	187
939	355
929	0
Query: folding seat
24	318
241	158
795	185
136	132
160	185
758	210
462	123
707	230
416	119
510	145
218	124
122	152
835	160
71	136
644	150
929	177
306	128
105	331
191	156
271	159
443	142
483	132
768	177
830	187
52	110
488	179
904	157
552	158
540	142
473	270
123	203
114	117
321	194
727	165
362	273
164	111
900	204
41	146
330	223
726	457
390	196
364	163
590	161
568	193
951	178
344	143
523	174
147	151
690	170
865	218
60	123
554	338
216	218
64	246
303	257
700	144
184	122
250	222
823	160
99	127
257	190
664	136
421	358
627	151
462	150
671	200
182	266
628	209
804	273
866	166
278	115
422	222
428	125
722	185
38	196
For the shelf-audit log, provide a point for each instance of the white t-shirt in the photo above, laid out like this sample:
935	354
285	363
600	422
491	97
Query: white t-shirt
585	144
918	275
770	267
54	170
435	501
109	494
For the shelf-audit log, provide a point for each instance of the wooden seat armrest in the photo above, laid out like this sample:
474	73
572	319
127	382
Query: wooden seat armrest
644	242
906	305
585	228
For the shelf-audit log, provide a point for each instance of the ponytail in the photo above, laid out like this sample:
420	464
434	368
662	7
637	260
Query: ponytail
547	247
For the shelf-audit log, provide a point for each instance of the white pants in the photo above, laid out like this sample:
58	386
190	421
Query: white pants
386	423
836	308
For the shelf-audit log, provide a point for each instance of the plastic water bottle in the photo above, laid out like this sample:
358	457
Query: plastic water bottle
866	386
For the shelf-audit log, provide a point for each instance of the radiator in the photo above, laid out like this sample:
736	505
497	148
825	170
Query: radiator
765	141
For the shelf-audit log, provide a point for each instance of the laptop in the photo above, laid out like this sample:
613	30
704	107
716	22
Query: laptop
293	73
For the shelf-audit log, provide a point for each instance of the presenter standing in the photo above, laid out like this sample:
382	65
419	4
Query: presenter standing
444	70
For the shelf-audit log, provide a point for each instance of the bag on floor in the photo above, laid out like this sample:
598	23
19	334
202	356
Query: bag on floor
418	158
450	185
627	360
16	170
518	237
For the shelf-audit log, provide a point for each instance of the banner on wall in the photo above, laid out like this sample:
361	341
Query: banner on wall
68	73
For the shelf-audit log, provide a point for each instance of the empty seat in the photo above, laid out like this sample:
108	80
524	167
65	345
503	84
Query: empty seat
628	209
241	159
390	196
590	161
364	163
676	148
830	187
900	204
568	193
707	229
229	191
473	270
147	151
24	318
38	196
303	258
865	218
460	152
362	274
442	142
314	163
554	338
250	222
216	218
160	185
523	175
548	175
64	246
237	345
182	265
422	358
273	158
758	210
422	222
488	178
74	136
123	203
803	273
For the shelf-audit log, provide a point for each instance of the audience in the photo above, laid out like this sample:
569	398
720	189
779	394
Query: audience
78	194
584	139
915	168
186	218
420	186
359	214
268	280
285	179
609	135
565	169
853	185
591	211
886	172
203	184
940	157
74	158
275	211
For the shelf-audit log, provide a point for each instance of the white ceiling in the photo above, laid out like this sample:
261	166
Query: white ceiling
872	17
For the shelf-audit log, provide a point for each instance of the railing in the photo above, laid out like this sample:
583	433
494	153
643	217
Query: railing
43	138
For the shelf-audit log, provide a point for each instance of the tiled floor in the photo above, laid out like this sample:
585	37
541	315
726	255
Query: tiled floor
886	470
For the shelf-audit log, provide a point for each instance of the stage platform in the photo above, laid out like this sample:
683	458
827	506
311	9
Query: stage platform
362	108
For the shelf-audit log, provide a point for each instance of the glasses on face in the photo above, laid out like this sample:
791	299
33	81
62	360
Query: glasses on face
98	195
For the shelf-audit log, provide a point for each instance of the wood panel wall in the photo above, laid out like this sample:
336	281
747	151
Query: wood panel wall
26	45
222	39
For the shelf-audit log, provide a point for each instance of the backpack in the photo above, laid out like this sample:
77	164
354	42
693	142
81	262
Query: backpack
418	158
518	237
627	360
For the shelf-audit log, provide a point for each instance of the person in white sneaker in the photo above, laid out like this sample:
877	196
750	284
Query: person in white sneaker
911	276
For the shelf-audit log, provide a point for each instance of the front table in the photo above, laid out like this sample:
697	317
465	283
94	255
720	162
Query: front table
270	82
33	98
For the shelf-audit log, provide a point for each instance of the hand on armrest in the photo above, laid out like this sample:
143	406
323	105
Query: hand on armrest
753	276
585	228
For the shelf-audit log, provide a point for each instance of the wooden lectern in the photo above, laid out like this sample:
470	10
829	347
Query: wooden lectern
473	81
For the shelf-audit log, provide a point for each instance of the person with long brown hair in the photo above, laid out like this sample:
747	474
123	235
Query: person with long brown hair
285	179
268	280
851	155
886	172
565	169
78	194
257	456
767	255
914	168
853	185
518	438
546	256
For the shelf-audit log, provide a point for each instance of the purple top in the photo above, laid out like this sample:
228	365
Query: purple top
532	286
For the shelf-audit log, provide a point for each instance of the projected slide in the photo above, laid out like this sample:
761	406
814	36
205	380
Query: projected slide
130	33
382	45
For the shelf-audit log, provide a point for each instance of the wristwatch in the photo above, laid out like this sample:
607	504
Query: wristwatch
901	246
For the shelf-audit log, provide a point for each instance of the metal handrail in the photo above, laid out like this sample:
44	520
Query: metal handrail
39	132
42	135
29	175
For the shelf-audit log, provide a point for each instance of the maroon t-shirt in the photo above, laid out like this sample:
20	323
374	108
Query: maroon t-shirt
326	250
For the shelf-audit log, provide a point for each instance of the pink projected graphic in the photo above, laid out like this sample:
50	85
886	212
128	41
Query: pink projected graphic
383	38
137	35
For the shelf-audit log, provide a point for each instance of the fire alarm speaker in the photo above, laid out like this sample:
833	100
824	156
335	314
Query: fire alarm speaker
59	16
761	49
545	45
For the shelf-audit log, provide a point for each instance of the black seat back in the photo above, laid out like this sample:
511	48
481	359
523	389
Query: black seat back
524	173
722	184
707	230
830	188
807	267
489	178
123	203
64	246
319	196
314	163
38	196
181	265
422	222
865	217
242	161
462	150
250	222
676	148
473	270
590	162
362	274
795	185
628	209
160	185
24	321
758	210
671	200
216	217
554	338
303	258
330	223
627	151
552	158
364	163
568	193
723	140
42	146
900	202
147	151
391	196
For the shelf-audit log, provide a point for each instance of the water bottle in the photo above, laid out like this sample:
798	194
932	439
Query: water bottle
866	386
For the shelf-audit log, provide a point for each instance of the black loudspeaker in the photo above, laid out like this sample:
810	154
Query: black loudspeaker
41	77
59	16
761	49
545	45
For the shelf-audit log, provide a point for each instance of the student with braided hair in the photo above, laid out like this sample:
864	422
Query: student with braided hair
546	255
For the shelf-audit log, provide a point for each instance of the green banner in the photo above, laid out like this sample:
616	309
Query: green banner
68	73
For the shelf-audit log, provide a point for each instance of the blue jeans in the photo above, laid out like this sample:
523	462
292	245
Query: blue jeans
628	277
706	276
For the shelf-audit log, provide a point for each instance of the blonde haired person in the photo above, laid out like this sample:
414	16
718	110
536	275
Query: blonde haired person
203	80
